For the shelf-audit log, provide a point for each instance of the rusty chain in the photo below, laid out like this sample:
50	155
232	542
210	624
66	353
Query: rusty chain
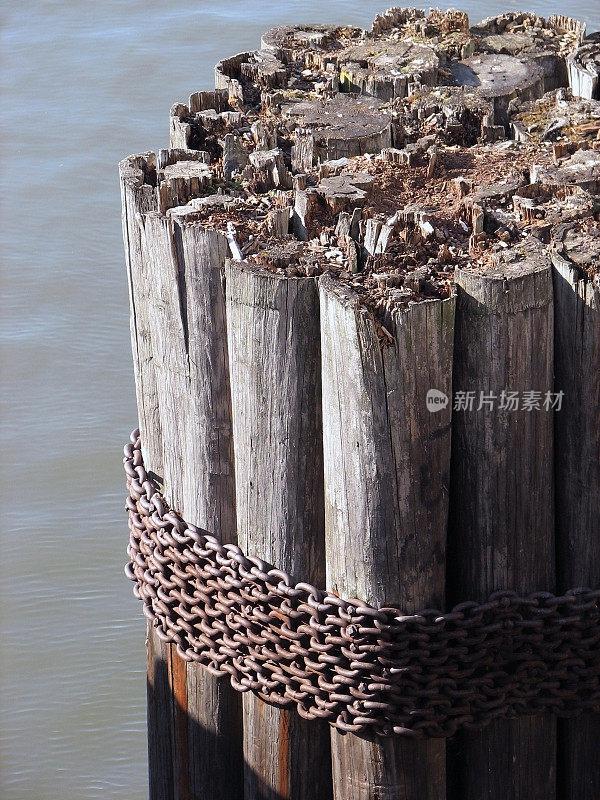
366	670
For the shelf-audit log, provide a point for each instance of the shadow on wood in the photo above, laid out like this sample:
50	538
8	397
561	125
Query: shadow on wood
577	475
186	725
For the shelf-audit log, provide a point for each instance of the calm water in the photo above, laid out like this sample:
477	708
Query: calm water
84	84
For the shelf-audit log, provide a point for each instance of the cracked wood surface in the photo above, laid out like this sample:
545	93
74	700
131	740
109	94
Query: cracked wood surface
502	499
387	461
274	350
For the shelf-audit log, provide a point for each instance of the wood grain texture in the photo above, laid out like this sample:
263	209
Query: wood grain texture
387	462
138	196
189	359
191	362
577	471
502	520
274	350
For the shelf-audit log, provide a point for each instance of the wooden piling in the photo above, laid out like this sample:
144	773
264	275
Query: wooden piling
502	520
577	470
274	351
387	459
191	364
138	196
180	353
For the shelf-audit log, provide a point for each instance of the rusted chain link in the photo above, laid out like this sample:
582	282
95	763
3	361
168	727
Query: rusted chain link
366	670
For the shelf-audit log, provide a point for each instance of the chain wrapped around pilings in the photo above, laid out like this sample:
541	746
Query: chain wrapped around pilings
370	671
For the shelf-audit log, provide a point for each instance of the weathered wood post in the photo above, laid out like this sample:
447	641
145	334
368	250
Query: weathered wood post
138	196
501	508
387	460
577	468
374	376
274	350
178	319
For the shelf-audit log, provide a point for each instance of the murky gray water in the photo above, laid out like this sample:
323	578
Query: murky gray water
83	85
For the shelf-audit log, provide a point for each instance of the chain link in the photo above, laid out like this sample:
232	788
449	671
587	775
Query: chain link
366	670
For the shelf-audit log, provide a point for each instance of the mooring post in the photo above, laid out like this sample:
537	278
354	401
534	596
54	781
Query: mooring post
274	351
502	518
387	461
390	392
577	465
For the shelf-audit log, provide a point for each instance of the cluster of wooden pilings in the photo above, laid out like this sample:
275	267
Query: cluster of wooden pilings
365	319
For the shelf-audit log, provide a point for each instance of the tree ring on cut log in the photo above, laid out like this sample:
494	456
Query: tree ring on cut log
384	69
343	126
499	78
545	42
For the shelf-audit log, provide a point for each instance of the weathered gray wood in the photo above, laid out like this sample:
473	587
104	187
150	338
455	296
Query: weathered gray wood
235	156
138	196
189	357
500	78
523	32
173	155
554	117
346	192
181	181
502	521
227	76
269	171
274	350
306	43
191	363
581	169
343	126
387	460
577	472
202	101
303	152
385	69
179	128
584	71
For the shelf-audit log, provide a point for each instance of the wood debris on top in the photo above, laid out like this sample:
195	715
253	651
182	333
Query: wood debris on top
389	158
